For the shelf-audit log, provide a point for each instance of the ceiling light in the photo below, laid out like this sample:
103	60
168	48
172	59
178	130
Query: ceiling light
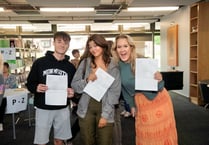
134	21
1	9
147	9
87	22
66	9
13	26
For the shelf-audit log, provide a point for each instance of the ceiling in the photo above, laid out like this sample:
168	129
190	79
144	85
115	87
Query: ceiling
106	11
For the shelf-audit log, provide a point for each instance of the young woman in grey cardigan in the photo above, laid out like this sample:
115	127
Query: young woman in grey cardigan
96	119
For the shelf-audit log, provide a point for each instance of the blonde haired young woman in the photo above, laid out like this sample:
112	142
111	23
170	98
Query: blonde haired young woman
153	111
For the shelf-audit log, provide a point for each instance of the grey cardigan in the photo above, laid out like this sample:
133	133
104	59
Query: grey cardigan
110	98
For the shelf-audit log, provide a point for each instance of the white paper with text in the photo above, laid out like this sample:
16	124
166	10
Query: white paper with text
57	90
144	76
96	89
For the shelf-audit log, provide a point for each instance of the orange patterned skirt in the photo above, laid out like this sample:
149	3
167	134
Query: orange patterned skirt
155	121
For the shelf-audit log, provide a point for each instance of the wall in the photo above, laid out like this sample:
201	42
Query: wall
181	17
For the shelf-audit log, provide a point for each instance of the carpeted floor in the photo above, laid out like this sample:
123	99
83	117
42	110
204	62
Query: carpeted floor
192	123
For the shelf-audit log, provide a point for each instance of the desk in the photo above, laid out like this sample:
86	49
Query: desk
17	100
173	80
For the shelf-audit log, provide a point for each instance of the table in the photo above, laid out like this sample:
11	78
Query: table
17	100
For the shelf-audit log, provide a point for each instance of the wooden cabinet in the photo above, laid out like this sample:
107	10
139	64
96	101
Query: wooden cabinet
199	48
173	80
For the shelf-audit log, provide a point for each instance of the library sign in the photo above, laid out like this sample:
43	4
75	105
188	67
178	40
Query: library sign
17	100
7	49
8	53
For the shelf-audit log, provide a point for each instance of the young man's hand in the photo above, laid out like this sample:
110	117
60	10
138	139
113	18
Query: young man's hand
41	88
70	92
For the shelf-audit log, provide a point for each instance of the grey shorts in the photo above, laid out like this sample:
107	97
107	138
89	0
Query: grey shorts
46	119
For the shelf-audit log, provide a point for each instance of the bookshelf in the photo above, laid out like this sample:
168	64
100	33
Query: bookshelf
199	49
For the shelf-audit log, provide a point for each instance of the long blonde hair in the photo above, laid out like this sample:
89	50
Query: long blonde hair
133	50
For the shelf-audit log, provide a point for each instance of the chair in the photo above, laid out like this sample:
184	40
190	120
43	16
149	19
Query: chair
204	92
30	106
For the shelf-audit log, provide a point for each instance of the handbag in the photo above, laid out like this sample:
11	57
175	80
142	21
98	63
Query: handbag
77	96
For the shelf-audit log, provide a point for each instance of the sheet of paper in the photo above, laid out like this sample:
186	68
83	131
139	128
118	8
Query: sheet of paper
57	90
98	88
144	76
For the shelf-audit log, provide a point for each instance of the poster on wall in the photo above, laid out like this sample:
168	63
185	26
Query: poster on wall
172	46
4	43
